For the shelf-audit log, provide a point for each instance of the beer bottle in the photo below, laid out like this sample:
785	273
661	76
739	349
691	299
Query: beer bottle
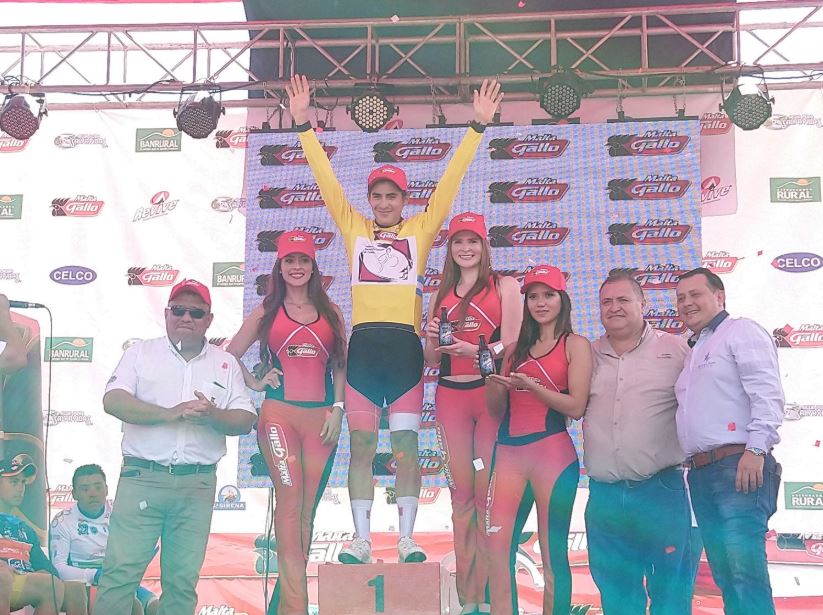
445	334
484	358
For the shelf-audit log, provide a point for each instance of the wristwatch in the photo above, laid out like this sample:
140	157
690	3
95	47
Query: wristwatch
756	451
339	404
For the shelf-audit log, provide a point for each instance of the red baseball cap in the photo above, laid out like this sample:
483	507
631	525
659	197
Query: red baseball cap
468	221
191	286
295	242
391	173
544	274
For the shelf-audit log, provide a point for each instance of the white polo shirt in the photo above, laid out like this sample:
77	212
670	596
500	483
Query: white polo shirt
155	373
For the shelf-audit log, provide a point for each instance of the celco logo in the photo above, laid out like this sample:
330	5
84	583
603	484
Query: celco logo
73	275
798	262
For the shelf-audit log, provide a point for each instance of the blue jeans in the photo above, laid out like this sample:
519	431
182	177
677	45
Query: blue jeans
734	525
640	531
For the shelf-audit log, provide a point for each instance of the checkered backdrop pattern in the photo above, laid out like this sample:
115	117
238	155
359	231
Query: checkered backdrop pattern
586	198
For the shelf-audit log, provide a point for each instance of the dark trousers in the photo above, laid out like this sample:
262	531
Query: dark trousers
733	525
640	531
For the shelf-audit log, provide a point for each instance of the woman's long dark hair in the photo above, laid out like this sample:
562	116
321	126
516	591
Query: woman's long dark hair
273	301
530	329
451	277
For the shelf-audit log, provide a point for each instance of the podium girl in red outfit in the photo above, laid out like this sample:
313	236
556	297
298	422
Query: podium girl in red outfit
478	302
302	342
544	382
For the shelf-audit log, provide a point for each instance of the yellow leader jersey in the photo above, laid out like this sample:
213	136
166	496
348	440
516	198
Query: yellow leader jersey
388	264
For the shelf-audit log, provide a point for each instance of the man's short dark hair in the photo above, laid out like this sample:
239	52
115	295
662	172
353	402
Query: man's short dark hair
619	275
711	277
90	469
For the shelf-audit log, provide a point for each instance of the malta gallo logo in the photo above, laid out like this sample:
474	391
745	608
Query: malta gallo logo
531	234
665	320
420	191
655	277
652	232
714	124
532	146
430	461
805	336
533	190
652	188
281	154
9	145
299	195
441	239
719	261
267	240
432	280
651	143
232	139
798	262
81	206
418	149
156	275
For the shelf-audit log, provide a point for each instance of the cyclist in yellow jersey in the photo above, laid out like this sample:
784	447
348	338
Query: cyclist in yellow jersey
387	256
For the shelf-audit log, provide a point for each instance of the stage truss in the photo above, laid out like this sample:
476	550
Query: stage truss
416	60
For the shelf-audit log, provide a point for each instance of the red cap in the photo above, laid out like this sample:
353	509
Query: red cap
468	221
391	173
544	274
295	242
191	286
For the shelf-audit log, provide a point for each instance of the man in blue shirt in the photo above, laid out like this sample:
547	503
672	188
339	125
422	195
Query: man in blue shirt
730	405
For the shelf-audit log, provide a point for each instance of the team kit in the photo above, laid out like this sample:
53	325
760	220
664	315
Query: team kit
657	412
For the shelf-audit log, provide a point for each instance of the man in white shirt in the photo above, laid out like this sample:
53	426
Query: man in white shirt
730	405
79	535
178	397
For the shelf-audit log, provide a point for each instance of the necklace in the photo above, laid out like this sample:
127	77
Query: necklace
296	305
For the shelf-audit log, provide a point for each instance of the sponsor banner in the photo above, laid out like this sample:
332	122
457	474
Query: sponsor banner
803	496
228	274
665	320
56	417
68	349
720	261
531	234
795	412
229	498
282	154
530	147
10	145
649	188
652	143
794	189
415	149
232	139
804	336
80	206
798	262
159	205
158	140
649	233
70	141
73	275
11	206
156	275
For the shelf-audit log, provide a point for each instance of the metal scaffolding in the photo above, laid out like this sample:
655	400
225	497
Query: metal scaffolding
619	50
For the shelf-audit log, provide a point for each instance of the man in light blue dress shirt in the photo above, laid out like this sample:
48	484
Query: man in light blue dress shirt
730	405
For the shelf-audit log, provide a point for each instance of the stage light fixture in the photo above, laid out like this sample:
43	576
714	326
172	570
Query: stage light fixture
20	115
748	105
371	111
560	94
197	116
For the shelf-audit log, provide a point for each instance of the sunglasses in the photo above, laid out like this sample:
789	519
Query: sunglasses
195	313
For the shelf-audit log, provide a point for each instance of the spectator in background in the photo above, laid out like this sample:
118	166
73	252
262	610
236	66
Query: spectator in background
79	535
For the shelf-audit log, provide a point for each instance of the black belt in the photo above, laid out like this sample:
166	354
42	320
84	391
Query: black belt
181	469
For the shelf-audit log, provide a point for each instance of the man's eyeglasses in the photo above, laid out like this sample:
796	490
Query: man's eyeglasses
195	313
